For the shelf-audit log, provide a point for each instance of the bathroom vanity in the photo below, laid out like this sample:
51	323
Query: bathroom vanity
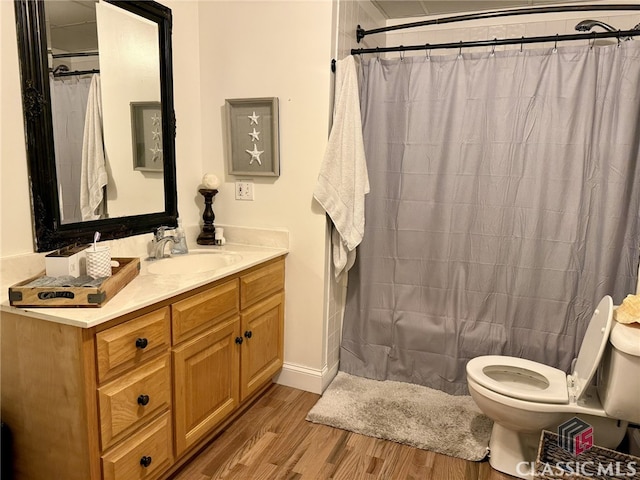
134	389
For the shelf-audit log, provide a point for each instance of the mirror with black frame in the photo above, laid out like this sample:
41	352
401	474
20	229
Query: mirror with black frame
99	120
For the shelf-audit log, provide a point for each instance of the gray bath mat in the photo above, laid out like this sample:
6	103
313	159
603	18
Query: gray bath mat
405	413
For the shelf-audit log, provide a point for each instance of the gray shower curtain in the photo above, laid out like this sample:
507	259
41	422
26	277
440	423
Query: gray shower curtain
504	203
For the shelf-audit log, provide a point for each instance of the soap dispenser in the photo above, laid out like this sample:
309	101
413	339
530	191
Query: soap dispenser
181	240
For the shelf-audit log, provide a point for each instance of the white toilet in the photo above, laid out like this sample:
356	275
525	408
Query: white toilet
524	397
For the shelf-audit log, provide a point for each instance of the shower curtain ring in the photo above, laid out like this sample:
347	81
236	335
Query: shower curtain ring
618	38
493	47
401	54
460	51
521	44
378	53
593	41
555	45
427	51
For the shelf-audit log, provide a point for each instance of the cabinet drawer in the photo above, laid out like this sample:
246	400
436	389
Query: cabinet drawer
199	312
261	283
145	455
132	342
131	398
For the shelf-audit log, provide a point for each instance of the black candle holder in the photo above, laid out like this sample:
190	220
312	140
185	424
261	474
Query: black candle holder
207	235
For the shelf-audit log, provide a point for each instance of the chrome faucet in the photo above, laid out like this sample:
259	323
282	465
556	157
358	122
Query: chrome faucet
159	243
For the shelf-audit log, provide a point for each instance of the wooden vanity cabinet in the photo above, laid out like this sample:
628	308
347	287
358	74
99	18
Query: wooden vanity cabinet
232	345
206	376
133	399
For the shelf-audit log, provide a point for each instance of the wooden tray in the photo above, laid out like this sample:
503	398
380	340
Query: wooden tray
22	296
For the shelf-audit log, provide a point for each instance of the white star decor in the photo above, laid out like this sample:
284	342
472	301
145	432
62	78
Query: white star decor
156	135
254	118
255	155
155	119
156	151
254	135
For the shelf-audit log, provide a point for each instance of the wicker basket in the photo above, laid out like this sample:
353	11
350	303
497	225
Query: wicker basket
597	463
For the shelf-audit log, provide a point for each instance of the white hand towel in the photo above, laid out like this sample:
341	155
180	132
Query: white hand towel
343	180
93	175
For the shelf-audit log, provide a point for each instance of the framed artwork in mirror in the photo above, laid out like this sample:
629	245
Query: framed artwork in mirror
252	136
146	136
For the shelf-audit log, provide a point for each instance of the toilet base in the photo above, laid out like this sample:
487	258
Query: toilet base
513	453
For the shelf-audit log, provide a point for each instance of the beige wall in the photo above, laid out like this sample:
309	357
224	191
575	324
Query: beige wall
227	49
15	209
129	66
240	49
275	49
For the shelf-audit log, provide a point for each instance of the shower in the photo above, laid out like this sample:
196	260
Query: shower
587	25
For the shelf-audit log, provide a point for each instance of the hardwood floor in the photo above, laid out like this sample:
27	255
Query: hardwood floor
272	440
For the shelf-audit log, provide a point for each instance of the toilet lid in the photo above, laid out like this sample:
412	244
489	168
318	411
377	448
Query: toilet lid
593	345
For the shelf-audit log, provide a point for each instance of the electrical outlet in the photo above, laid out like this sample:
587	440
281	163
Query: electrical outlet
244	190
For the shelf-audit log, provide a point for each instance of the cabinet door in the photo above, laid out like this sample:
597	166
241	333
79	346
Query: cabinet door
262	348
206	373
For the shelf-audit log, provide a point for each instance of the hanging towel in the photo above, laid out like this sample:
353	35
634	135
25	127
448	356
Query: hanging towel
343	180
93	174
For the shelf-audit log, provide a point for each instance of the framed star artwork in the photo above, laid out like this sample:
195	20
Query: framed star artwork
146	135
252	136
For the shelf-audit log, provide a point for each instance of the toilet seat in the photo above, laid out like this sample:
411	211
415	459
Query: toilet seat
535	382
519	378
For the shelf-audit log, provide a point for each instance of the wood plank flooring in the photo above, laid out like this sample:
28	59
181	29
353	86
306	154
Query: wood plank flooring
272	440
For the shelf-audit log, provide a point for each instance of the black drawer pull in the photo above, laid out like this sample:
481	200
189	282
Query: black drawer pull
145	461
239	340
142	343
248	334
143	399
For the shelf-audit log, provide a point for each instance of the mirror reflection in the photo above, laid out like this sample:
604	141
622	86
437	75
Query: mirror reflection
104	76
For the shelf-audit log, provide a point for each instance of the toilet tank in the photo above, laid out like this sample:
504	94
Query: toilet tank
619	373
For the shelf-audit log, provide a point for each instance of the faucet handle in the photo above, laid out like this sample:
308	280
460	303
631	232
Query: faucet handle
160	232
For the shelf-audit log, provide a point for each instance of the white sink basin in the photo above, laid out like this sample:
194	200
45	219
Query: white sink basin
197	261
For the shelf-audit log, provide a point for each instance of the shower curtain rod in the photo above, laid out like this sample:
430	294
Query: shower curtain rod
361	33
76	72
504	41
79	54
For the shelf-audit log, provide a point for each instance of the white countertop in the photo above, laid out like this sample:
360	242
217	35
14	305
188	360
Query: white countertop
144	290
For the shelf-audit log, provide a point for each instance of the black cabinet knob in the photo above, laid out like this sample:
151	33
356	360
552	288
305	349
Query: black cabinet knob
142	343
248	334
145	461
143	399
238	340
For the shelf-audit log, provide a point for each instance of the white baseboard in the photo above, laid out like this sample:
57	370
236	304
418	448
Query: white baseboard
306	378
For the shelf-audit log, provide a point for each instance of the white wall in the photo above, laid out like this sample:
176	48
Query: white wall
281	49
129	69
15	210
227	49
16	236
506	27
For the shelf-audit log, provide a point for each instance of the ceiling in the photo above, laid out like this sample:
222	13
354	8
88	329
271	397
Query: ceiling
417	8
71	25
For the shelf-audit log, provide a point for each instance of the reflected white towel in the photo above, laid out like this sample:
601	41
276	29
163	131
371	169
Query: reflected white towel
94	174
343	180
